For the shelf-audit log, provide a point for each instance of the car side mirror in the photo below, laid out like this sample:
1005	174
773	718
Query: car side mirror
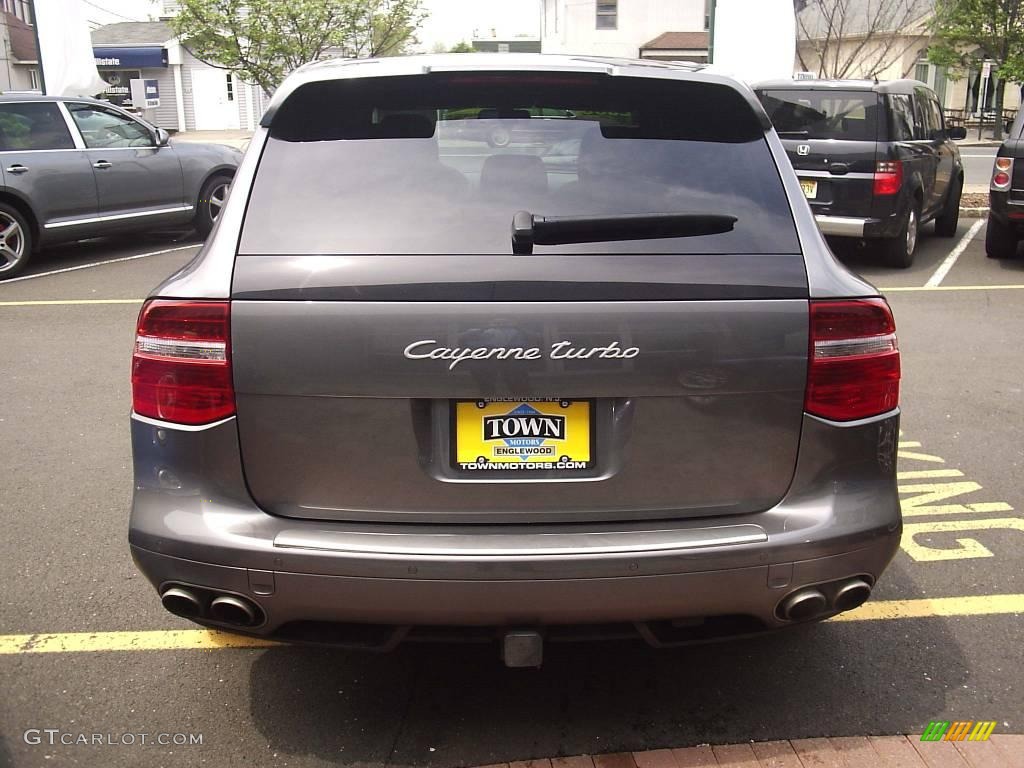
957	132
163	138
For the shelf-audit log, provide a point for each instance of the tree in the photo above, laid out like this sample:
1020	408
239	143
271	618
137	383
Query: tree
857	38
970	32
461	47
264	40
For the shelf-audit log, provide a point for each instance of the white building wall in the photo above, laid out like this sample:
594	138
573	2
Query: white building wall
570	26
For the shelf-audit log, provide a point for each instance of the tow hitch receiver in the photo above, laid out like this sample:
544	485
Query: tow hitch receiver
522	648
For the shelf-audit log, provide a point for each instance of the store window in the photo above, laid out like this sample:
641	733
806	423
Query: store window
118	90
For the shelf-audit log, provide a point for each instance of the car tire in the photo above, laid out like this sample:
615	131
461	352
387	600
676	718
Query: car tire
15	241
947	221
899	251
1000	240
211	200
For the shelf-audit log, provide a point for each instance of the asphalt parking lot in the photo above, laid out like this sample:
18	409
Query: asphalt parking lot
940	639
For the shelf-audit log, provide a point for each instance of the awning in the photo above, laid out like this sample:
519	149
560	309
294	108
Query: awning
143	57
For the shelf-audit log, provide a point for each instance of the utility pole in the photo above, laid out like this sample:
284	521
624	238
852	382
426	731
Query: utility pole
39	48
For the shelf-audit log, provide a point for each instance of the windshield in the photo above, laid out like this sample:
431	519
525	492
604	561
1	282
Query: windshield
824	114
440	164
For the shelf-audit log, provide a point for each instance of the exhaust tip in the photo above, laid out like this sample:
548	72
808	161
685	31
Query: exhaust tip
232	610
803	604
851	594
181	602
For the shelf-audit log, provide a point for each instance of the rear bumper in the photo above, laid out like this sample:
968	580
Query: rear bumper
193	523
850	226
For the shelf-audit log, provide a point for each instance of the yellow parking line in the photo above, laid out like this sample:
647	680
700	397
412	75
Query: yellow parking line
930	288
152	640
68	302
976	605
206	639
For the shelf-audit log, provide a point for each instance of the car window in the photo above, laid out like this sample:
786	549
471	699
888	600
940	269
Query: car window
103	128
936	113
439	164
902	112
822	114
925	119
33	125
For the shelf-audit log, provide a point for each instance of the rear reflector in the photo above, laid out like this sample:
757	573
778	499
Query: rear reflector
181	369
888	177
854	369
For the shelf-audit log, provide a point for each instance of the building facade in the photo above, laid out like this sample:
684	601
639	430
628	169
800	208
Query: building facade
874	49
626	28
19	70
194	95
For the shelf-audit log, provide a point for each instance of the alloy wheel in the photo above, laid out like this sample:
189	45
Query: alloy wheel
217	197
12	243
911	232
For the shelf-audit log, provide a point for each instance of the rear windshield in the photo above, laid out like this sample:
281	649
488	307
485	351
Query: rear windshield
440	164
807	114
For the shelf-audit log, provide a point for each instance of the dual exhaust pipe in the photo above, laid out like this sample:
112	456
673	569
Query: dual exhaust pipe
191	603
810	602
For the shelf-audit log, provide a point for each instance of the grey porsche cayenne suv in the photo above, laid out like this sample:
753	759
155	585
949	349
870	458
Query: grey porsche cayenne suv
415	387
75	168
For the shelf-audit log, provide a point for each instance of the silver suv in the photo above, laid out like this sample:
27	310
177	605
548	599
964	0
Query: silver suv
76	168
468	392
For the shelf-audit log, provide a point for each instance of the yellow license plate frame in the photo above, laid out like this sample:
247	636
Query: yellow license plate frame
517	436
810	188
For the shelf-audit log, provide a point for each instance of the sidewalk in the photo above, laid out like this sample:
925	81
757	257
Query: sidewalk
1000	751
239	139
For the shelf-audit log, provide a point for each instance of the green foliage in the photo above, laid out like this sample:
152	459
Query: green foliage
461	47
969	32
264	40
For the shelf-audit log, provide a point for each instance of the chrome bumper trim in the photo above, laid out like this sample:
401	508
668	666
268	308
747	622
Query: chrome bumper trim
519	545
841	225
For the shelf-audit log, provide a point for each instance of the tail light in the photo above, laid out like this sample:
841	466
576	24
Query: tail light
888	177
1002	174
854	369
181	368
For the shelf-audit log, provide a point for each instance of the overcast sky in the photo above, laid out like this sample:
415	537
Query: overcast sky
450	20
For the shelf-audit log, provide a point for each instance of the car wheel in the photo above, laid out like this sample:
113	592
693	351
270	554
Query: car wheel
946	223
1000	240
899	250
15	242
499	137
211	200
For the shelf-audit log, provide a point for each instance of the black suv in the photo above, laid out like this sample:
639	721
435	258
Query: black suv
1006	196
875	160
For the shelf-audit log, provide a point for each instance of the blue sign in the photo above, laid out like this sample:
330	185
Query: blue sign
143	57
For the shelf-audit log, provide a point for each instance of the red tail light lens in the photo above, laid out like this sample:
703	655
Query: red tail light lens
181	368
854	369
888	177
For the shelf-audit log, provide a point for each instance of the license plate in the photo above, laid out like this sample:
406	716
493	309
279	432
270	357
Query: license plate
522	436
810	188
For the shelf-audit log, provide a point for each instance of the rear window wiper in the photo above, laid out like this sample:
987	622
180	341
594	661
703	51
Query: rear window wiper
529	229
793	134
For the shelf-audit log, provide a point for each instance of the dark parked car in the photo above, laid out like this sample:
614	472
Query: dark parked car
484	396
1006	195
74	168
875	160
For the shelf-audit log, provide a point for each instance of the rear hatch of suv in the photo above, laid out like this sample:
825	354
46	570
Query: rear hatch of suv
831	138
635	349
